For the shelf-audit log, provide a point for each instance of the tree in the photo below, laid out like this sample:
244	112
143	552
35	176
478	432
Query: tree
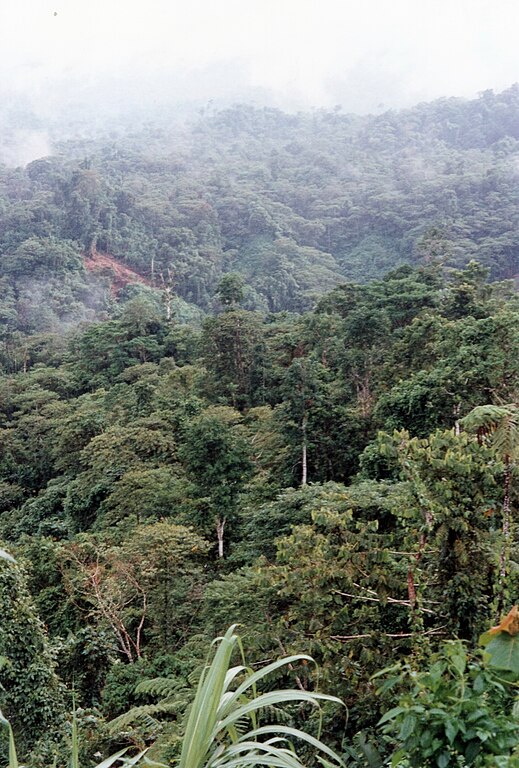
230	290
499	424
145	589
31	695
216	458
447	523
233	351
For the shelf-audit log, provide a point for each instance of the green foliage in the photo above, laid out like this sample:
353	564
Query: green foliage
456	712
230	289
214	454
31	696
449	521
252	423
234	356
499	421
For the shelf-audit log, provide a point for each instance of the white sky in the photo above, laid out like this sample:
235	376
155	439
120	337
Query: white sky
359	53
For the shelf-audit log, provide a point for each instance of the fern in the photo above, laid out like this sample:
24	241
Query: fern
173	698
161	686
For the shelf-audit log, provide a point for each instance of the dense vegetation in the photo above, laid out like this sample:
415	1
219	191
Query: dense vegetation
295	203
318	468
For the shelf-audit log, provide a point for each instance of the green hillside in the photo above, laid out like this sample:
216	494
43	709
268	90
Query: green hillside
251	372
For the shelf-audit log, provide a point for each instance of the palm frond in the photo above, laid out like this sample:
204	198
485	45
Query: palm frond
144	715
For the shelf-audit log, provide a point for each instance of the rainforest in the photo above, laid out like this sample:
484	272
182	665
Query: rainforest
259	381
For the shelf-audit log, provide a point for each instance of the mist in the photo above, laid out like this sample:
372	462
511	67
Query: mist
71	66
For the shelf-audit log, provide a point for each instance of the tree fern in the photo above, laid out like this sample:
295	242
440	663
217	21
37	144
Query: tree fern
499	424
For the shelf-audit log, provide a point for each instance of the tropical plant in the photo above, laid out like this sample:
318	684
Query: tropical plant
458	712
74	749
13	757
224	726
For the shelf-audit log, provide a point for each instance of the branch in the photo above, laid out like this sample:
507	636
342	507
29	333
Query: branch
290	666
407	603
438	631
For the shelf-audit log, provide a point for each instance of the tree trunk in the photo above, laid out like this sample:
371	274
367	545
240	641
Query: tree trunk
220	527
505	549
304	474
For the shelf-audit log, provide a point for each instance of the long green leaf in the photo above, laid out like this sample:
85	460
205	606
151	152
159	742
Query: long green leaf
6	556
74	755
133	760
294	733
201	722
252	747
13	757
255	678
112	759
271	699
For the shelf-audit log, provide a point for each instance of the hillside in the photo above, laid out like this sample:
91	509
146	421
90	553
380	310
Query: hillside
295	203
250	372
118	274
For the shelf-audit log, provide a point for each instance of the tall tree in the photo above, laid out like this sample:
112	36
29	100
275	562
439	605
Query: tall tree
215	455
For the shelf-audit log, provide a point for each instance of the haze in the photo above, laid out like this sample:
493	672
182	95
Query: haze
292	54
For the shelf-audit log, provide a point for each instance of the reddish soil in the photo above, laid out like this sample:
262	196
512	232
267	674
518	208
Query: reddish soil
119	274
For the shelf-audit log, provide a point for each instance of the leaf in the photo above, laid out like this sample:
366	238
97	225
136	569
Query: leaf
509	624
391	714
504	652
112	759
451	730
408	726
13	758
460	662
397	757
129	761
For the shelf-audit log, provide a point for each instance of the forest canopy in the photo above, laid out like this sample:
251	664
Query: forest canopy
263	369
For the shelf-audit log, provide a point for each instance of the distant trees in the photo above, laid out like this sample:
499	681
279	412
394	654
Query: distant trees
293	214
304	419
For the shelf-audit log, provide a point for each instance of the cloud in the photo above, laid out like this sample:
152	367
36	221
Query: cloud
306	52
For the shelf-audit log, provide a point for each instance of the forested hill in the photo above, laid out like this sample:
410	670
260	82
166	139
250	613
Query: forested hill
159	482
296	203
219	405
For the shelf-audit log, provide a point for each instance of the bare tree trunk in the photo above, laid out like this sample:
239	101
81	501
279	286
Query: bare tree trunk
167	296
304	474
457	410
505	548
220	527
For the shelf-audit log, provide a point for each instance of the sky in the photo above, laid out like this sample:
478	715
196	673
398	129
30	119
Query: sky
365	55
